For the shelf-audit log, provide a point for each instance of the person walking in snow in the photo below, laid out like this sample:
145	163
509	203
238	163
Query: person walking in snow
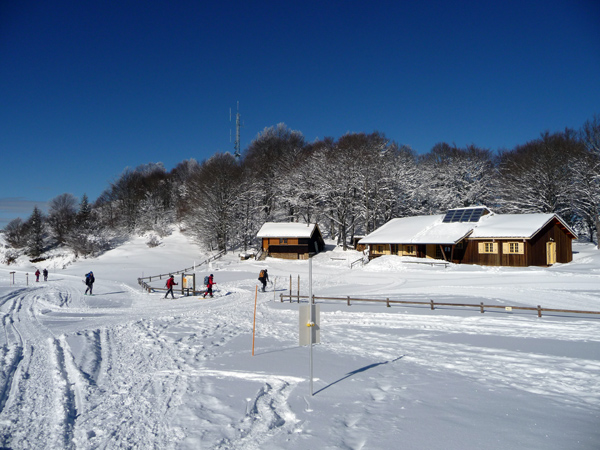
89	282
37	275
209	286
45	272
170	284
263	277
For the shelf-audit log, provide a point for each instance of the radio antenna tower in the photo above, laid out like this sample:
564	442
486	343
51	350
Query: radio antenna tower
238	125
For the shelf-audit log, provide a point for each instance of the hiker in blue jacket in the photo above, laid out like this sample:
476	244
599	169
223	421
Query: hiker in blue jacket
89	282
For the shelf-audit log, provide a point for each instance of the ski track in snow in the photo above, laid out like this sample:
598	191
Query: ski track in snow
76	375
110	389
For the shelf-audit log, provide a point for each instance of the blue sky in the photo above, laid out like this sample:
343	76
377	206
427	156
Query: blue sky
90	88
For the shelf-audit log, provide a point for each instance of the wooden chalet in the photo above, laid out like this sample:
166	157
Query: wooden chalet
291	240
476	235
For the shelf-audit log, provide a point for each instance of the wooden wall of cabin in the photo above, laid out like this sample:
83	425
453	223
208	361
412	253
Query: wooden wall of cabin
266	242
534	250
552	232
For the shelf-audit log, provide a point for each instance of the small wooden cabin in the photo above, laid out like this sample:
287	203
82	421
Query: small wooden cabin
291	240
477	236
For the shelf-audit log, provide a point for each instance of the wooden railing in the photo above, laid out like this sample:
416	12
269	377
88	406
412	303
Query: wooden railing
433	304
144	282
360	261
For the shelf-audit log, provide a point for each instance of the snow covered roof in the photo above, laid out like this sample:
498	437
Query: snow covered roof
419	230
286	230
432	229
515	226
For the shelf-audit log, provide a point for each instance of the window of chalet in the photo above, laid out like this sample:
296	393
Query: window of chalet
379	248
410	250
283	240
488	247
516	248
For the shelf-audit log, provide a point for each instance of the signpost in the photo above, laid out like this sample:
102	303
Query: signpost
309	323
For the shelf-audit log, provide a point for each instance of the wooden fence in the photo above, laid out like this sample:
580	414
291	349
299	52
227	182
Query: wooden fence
433	304
144	282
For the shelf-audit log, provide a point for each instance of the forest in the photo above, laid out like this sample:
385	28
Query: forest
349	186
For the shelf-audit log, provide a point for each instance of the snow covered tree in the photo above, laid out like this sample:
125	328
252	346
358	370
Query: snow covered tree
215	189
15	233
339	177
538	176
454	177
586	190
62	216
35	233
269	159
400	184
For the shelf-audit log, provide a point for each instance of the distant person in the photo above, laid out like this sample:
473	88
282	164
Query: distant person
209	284
45	274
170	283
37	275
263	277
89	282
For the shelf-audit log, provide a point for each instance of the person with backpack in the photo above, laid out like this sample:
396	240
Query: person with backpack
37	275
45	272
170	284
263	277
89	282
209	281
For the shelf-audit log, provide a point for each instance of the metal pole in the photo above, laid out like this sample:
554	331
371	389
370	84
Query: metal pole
312	321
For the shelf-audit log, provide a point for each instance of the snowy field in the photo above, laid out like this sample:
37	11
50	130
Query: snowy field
125	369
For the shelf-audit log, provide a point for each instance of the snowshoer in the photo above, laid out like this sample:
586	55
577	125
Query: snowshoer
209	286
37	275
263	277
170	284
45	272
89	282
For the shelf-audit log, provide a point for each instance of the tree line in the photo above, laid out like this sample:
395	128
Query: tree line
349	186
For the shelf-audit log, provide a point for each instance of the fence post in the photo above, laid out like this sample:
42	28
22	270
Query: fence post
298	288
281	297
481	307
348	300
290	288
387	300
539	309
432	307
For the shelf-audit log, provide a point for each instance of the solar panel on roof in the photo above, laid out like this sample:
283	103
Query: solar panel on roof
448	216
463	215
467	215
457	215
476	215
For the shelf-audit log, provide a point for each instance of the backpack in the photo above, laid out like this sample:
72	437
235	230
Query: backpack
206	280
261	274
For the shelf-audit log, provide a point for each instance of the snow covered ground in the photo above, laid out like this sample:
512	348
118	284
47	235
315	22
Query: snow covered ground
127	369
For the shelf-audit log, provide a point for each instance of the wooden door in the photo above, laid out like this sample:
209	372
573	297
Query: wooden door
550	253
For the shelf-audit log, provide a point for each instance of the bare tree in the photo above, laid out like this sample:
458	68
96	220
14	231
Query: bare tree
61	216
214	188
538	176
16	233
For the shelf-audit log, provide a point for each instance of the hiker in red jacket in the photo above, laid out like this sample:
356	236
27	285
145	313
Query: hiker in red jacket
170	284
209	286
37	275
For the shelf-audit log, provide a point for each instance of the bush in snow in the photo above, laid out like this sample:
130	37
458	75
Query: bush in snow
153	241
